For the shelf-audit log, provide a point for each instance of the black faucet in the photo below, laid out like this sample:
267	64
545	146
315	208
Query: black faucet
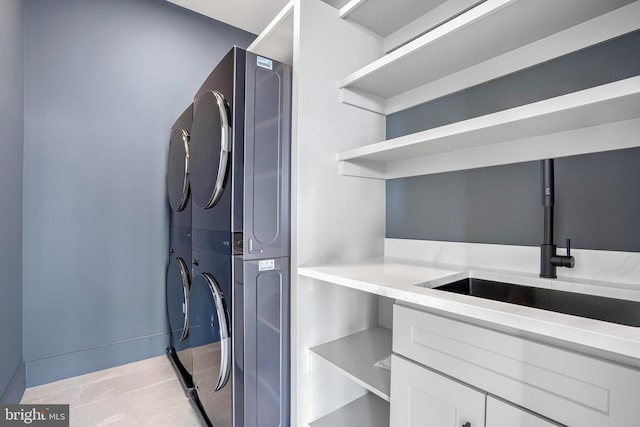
549	260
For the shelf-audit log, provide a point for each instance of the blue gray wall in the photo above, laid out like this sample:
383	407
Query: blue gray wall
597	204
597	195
105	80
11	146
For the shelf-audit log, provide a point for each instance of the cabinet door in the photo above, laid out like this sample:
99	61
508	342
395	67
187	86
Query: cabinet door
267	159
423	398
266	341
501	414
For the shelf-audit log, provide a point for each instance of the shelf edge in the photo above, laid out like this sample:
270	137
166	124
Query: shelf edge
437	16
361	382
613	136
467	18
350	7
280	19
609	92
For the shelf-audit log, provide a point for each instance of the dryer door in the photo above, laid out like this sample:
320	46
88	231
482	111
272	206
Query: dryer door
178	170
178	284
210	334
210	147
210	338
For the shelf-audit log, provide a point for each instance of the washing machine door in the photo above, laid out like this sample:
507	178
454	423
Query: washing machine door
178	170
209	334
210	338
178	284
210	147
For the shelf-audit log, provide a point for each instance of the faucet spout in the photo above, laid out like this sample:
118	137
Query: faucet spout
549	259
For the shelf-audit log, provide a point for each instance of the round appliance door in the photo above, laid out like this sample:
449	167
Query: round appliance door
178	284
178	170
210	147
209	334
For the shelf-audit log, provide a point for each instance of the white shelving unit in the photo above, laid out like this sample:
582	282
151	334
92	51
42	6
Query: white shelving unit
614	102
369	410
276	41
309	35
495	38
356	355
452	51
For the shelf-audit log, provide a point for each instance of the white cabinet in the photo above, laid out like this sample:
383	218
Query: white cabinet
422	398
568	387
502	414
425	398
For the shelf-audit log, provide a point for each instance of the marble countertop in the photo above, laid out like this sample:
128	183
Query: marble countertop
412	282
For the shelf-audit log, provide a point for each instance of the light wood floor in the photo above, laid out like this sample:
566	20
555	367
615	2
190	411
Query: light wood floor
145	393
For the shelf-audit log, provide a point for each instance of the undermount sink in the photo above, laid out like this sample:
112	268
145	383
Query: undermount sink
593	307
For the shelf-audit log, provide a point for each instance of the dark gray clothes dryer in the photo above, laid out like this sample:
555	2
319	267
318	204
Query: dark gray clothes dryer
240	182
210	331
178	181
178	280
178	286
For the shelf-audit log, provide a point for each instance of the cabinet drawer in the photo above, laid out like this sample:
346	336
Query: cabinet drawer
423	398
502	414
571	388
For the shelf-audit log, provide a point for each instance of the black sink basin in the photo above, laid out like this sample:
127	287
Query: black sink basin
594	307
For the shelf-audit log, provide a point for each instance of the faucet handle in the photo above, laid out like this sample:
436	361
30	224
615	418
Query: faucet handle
564	260
568	261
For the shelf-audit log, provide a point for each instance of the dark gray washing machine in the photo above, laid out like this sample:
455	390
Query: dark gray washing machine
178	280
239	301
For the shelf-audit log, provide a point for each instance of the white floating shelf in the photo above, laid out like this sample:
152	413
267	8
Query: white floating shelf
384	17
369	411
606	104
403	20
276	40
493	39
356	355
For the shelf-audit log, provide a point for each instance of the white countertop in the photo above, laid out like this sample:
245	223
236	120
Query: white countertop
411	281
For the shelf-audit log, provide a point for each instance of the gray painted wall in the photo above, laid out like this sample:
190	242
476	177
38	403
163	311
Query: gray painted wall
105	80
11	144
597	204
597	195
477	205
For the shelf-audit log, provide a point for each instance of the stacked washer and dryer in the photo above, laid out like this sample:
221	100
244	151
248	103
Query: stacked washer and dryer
178	280
232	347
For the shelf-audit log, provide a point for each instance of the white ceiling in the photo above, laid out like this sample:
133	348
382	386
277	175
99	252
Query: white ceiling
250	15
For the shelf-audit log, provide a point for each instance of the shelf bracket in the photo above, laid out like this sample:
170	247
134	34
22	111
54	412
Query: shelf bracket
367	102
363	169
